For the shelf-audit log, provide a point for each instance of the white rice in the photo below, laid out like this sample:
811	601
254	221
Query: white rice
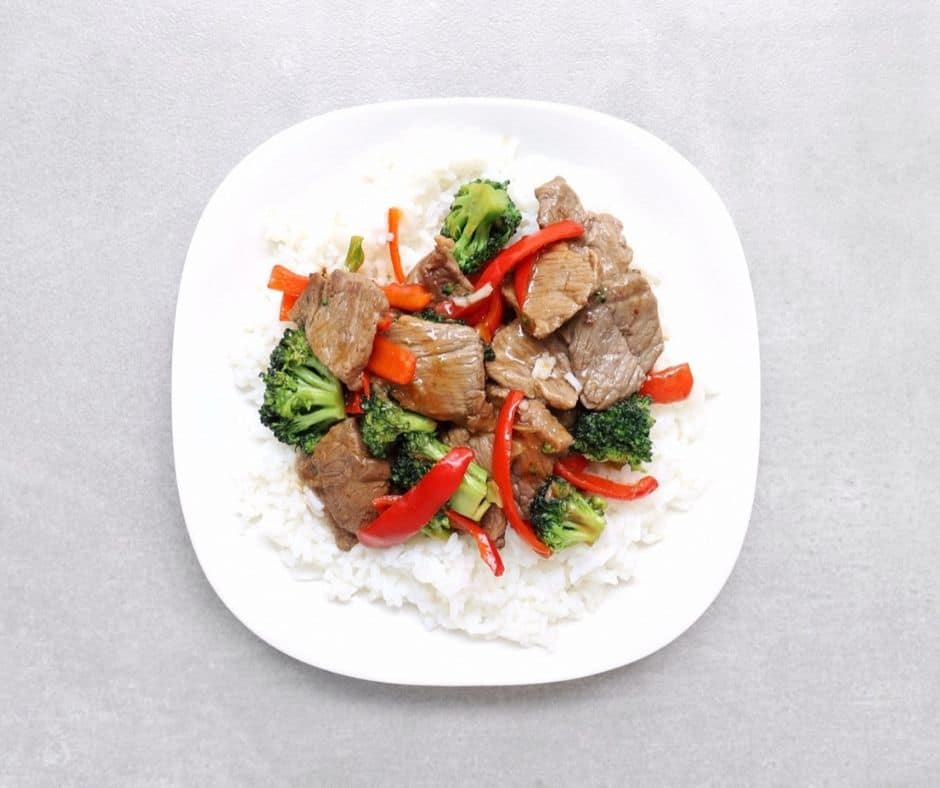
445	581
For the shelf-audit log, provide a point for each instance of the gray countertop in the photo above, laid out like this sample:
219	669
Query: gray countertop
820	661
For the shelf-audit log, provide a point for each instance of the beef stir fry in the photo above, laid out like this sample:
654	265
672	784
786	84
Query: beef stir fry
475	392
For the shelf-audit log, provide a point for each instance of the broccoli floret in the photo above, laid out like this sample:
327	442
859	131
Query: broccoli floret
302	398
437	317
619	434
418	451
481	220
563	516
385	422
438	527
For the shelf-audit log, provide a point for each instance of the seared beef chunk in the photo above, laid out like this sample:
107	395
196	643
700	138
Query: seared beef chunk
448	383
494	523
562	280
558	201
346	478
339	314
518	355
534	419
614	343
636	312
439	273
602	232
530	467
482	444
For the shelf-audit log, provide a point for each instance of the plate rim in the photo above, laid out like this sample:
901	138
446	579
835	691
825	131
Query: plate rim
572	110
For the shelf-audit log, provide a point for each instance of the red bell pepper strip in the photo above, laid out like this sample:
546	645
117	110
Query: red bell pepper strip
354	401
287	281
668	385
521	280
287	303
493	318
392	362
572	469
487	547
470	314
394	218
511	256
502	475
384	501
354	404
409	514
410	298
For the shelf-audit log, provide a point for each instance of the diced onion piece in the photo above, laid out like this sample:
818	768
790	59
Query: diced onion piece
573	381
544	366
474	297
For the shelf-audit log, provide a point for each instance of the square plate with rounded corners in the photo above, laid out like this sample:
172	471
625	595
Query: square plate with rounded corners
678	578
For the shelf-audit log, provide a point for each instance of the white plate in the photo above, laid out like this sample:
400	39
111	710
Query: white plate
678	578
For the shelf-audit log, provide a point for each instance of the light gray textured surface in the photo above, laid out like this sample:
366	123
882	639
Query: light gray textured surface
818	125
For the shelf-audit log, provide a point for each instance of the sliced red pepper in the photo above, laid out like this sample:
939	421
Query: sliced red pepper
354	404
487	547
493	318
391	361
385	322
521	280
409	514
384	501
669	385
354	400
394	219
502	474
572	469
526	247
287	281
287	303
410	298
470	314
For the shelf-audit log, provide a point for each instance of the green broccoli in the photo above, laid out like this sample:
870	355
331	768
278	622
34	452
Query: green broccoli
438	527
563	516
619	434
481	221
302	398
418	451
385	422
436	317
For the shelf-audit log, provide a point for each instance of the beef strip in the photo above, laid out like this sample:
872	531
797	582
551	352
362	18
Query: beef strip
563	278
339	314
439	272
530	467
494	523
558	201
515	358
613	344
448	383
482	444
346	478
602	232
533	418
